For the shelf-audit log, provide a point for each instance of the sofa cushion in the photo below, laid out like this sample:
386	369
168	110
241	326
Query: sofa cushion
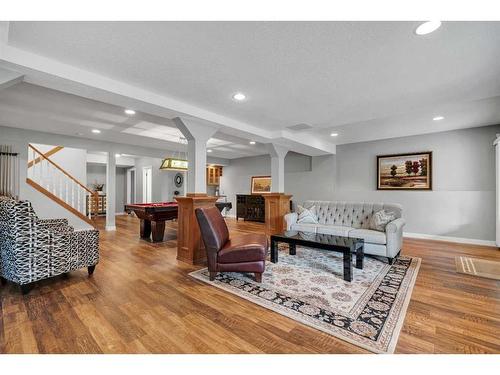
370	236
336	230
304	227
380	219
307	215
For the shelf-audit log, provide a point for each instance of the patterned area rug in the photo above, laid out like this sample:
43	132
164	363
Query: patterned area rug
308	287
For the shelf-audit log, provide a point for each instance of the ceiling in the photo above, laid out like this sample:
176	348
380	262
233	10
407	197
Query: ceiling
363	80
38	108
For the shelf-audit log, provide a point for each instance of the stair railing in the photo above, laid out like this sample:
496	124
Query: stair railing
55	180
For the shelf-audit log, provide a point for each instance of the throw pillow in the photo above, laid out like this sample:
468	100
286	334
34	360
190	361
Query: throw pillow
380	219
307	215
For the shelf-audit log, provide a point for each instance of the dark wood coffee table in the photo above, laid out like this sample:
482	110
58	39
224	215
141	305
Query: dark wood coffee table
344	245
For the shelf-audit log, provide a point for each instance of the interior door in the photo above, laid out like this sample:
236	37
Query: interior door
147	179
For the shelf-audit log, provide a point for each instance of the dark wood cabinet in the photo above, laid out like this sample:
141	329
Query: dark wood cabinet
250	207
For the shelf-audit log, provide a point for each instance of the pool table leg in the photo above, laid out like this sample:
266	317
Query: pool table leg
145	228
158	229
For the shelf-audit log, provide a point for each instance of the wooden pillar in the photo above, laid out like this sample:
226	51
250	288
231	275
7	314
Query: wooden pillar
190	248
277	206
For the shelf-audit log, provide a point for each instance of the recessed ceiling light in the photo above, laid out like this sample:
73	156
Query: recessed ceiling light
209	150
428	27
96	131
118	155
252	142
130	112
334	134
239	96
438	118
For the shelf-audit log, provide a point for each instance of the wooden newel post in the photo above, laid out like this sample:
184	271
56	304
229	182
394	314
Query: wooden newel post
277	206
190	247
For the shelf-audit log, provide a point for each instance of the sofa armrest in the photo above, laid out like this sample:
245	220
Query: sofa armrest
84	246
290	218
394	234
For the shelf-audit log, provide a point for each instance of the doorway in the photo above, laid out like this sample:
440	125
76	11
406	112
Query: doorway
131	196
147	181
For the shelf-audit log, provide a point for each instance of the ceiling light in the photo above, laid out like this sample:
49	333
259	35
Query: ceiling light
118	155
130	112
96	131
438	118
334	134
427	27
239	96
209	150
252	142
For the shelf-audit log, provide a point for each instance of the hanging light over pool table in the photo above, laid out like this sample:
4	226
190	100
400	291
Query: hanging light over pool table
173	164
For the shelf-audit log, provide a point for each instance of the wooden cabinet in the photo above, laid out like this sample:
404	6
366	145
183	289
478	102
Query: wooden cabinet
250	207
214	174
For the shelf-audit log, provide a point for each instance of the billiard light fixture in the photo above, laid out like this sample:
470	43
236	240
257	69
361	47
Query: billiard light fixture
174	164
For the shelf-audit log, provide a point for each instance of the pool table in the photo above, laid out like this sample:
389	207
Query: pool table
154	215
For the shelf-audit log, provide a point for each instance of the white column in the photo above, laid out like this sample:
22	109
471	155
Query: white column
197	135
497	180
278	154
110	191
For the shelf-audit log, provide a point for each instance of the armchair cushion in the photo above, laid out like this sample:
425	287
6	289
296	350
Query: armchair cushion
245	248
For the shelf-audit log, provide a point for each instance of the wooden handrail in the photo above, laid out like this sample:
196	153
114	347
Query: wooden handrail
47	154
62	170
94	194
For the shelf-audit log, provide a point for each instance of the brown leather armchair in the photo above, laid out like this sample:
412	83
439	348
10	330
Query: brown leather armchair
244	253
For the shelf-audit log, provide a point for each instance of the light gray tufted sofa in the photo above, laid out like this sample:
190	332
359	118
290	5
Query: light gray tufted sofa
351	219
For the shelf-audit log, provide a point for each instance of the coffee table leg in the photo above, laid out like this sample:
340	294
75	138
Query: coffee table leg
360	256
293	249
274	251
348	265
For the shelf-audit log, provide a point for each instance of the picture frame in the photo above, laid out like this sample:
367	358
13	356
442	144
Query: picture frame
260	185
394	172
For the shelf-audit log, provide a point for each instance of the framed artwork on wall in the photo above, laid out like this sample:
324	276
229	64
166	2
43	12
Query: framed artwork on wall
261	184
405	171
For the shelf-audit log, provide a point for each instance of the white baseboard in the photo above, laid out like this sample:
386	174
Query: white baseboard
470	241
120	213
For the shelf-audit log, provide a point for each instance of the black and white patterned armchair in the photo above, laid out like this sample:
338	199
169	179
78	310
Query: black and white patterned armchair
33	249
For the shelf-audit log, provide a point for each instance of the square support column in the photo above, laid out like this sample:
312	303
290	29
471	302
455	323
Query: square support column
277	203
190	248
110	191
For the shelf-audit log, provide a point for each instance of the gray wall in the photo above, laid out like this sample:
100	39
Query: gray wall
462	202
96	172
301	175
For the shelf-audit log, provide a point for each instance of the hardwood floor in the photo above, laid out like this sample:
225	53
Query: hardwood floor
141	300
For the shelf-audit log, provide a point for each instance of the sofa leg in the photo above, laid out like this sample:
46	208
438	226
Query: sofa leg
3	281
212	275
258	277
391	261
26	288
91	269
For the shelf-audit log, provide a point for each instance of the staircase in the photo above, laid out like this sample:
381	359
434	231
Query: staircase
54	182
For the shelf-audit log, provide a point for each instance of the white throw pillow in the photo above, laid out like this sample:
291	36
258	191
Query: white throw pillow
307	215
380	219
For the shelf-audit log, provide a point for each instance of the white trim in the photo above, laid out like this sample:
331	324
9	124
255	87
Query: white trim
110	227
470	241
120	213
